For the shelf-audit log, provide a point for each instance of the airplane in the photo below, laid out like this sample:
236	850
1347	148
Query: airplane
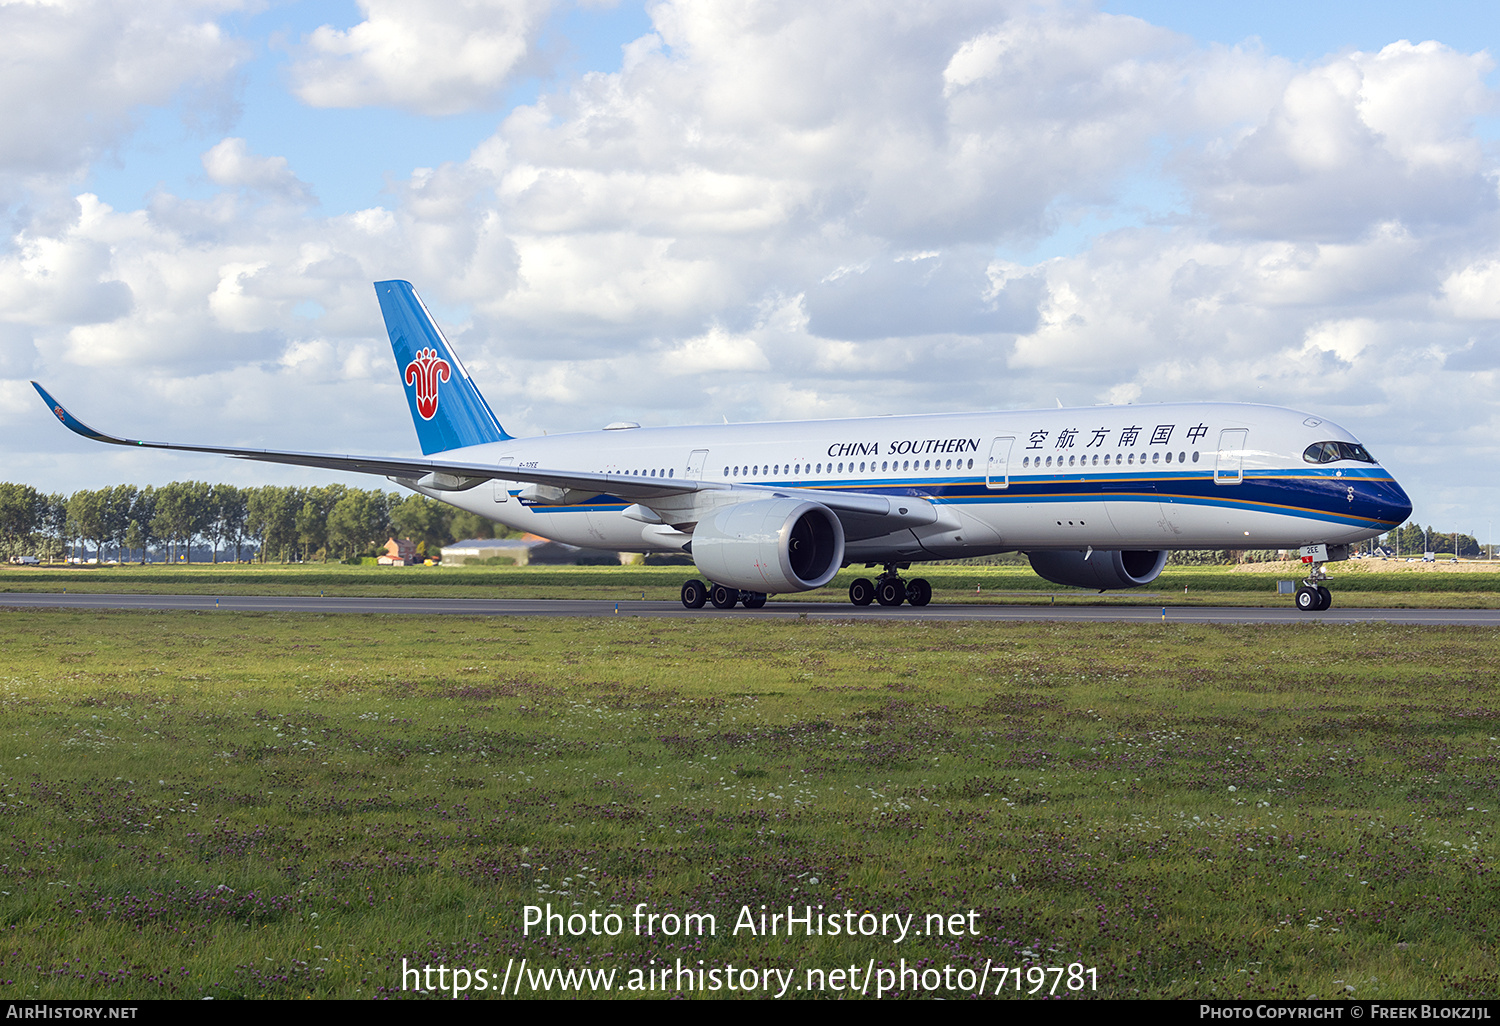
1096	497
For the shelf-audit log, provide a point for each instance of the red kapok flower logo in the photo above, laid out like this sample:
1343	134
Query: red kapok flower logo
424	372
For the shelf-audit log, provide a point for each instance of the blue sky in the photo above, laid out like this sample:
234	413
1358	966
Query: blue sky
350	155
776	211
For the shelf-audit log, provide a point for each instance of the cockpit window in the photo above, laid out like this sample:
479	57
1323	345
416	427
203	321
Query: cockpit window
1332	452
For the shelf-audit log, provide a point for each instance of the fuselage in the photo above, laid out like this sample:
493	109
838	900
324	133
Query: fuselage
1172	476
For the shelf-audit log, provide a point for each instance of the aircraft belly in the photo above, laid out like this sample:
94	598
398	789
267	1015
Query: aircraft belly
1075	524
610	530
900	545
963	534
1140	522
568	528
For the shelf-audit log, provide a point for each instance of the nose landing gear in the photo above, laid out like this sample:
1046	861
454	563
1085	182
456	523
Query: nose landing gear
1314	596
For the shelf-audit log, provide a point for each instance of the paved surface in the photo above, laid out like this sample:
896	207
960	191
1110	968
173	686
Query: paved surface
810	610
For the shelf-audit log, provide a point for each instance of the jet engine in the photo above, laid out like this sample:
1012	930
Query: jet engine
1101	569
770	545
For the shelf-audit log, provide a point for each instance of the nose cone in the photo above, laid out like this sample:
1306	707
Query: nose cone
1392	503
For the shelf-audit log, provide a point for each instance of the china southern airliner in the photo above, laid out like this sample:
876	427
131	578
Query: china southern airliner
1096	497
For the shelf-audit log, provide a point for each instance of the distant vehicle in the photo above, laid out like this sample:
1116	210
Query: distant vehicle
1429	557
1096	497
25	560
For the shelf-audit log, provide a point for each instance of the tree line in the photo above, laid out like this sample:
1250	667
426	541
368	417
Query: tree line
1409	541
269	523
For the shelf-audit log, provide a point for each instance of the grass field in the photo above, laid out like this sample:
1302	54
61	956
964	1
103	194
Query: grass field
1354	583
287	806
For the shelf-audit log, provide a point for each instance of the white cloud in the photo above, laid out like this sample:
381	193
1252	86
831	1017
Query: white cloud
1473	292
230	163
716	351
1355	141
792	210
76	73
428	56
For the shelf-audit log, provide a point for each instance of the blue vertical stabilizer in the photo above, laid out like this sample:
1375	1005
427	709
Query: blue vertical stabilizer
448	411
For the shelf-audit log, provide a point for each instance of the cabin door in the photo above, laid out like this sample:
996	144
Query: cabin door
997	471
1230	467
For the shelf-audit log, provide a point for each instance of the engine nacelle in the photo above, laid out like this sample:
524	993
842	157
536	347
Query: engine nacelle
1103	569
770	545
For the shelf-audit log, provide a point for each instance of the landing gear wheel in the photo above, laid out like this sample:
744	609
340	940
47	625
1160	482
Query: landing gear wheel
861	592
1325	597
752	600
918	592
694	594
722	597
889	591
1308	599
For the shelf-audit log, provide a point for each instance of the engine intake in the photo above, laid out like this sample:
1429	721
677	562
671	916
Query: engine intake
1103	569
770	545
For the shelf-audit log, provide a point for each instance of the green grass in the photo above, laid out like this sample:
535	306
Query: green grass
286	806
1177	586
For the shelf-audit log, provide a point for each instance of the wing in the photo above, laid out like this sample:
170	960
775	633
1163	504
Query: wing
679	502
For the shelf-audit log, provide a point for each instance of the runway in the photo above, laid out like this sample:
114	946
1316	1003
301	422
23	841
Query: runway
797	610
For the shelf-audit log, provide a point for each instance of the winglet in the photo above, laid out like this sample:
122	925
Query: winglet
75	425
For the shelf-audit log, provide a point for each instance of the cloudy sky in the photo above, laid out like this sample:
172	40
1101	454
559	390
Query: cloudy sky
677	212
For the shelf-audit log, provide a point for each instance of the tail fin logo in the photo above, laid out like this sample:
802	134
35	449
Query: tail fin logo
424	372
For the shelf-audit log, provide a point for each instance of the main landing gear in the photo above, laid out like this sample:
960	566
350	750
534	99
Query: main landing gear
890	590
696	593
